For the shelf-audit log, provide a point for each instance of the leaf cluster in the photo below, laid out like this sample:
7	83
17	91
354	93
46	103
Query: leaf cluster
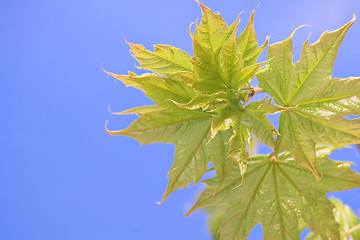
204	107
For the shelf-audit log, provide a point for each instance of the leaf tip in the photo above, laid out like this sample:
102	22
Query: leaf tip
204	9
292	34
119	113
266	42
102	67
162	200
106	129
126	41
168	191
307	40
121	132
238	18
190	33
110	110
353	19
131	45
193	208
202	6
251	19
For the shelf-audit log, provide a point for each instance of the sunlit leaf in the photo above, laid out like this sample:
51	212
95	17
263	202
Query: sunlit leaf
349	223
203	105
213	32
277	193
221	61
164	60
190	132
320	102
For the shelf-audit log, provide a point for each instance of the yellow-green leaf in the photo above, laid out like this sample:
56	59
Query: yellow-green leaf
277	194
219	63
349	222
164	60
319	102
190	132
247	43
213	32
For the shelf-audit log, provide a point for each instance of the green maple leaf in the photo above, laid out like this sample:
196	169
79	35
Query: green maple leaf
277	193
222	61
190	132
348	221
164	60
202	107
320	102
349	224
223	66
244	121
162	90
184	113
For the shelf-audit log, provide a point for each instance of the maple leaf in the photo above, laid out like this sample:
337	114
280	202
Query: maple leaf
162	90
221	60
202	107
320	102
184	116
277	193
349	224
188	130
223	67
244	121
164	60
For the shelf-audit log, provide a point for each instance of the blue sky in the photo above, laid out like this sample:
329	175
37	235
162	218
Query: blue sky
61	176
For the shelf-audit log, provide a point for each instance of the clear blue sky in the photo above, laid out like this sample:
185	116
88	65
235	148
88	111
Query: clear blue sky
61	176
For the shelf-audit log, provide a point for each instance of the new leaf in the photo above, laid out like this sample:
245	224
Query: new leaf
231	62
278	193
201	107
349	223
320	102
221	61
